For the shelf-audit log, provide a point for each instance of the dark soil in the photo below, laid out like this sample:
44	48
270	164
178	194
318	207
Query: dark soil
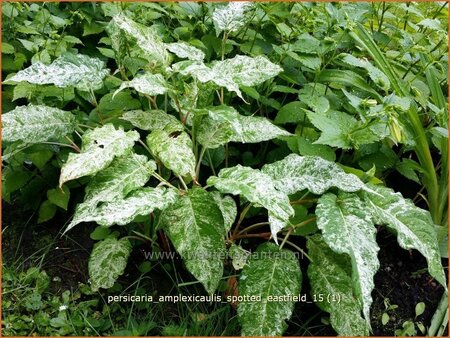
401	280
404	281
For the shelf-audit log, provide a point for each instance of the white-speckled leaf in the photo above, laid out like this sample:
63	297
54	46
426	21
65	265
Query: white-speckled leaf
194	224
34	124
146	38
228	207
347	228
254	186
185	51
99	148
123	211
330	274
174	151
269	272
238	256
231	17
377	76
81	71
232	73
124	175
245	129
107	262
212	134
413	225
276	225
147	84
295	173
153	120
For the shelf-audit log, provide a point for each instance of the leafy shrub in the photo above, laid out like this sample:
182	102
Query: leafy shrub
181	139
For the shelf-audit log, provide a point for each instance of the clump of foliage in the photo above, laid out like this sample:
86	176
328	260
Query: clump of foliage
192	118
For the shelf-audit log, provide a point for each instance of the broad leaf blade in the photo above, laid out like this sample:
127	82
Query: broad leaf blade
231	17
123	211
34	124
195	226
227	206
245	129
152	120
185	51
414	226
147	84
295	173
175	152
107	262
330	274
347	228
255	186
269	272
99	148
80	71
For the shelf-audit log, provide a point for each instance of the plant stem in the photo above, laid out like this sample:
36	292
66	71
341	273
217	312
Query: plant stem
252	227
199	161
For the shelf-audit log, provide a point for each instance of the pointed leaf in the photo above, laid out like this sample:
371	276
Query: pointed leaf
232	73
185	51
194	224
228	207
107	262
124	175
377	76
99	147
245	129
255	186
80	71
269	273
231	17
34	124
146	38
152	120
330	274
59	197
213	134
175	152
414	226
123	211
147	84
295	173
347	228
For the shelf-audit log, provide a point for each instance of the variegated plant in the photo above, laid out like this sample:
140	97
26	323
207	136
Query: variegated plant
150	162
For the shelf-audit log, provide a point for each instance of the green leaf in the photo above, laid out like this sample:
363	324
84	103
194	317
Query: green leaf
185	51
228	207
99	148
376	75
195	225
293	112
420	308
107	262
147	84
295	173
414	226
231	17
342	130
59	196
347	227
269	272
330	274
80	71
123	211
47	211
34	124
174	151
245	129
232	73
153	120
7	48
255	186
